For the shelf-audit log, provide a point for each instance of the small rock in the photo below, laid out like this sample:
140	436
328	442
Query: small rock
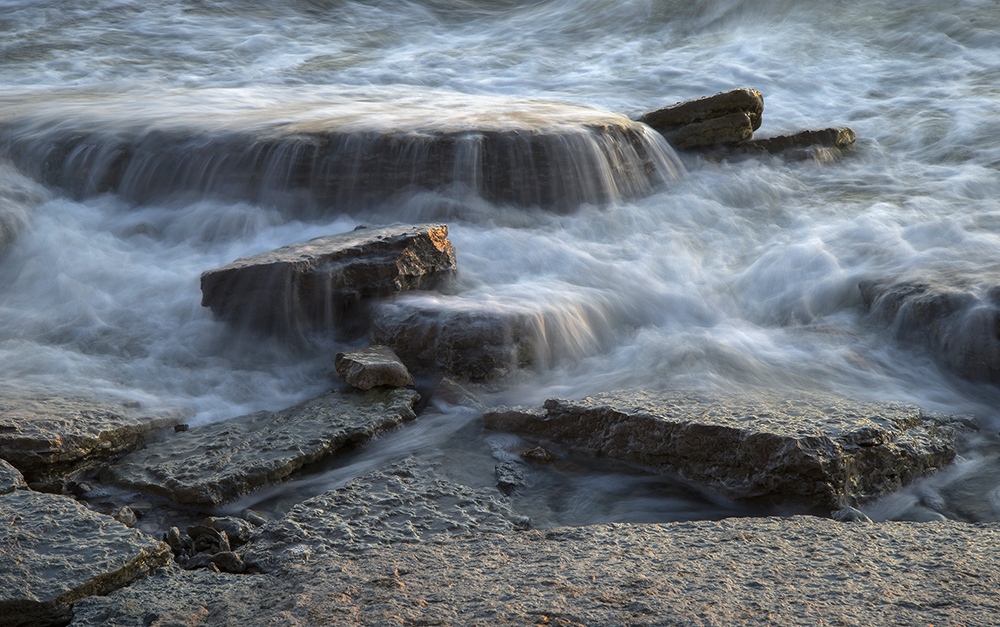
237	530
725	118
509	477
125	516
371	367
850	514
10	478
229	562
253	518
176	541
538	455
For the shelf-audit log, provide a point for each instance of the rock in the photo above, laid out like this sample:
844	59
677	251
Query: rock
850	514
48	438
538	455
229	562
125	516
371	367
317	284
482	339
960	328
54	551
725	118
253	518
403	503
785	572
214	463
817	452
509	477
841	137
10	478
237	530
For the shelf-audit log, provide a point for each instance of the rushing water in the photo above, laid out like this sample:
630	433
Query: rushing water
724	275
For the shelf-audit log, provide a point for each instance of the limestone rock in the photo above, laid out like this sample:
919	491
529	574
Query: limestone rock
316	284
48	438
54	551
10	478
784	572
956	325
371	367
406	502
725	118
218	462
817	452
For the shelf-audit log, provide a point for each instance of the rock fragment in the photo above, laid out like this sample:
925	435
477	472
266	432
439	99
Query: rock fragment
318	284
54	552
371	367
48	438
817	452
214	463
726	118
10	478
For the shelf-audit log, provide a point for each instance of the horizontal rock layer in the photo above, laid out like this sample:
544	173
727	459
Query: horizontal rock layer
214	463
54	551
316	284
763	572
725	118
48	437
816	452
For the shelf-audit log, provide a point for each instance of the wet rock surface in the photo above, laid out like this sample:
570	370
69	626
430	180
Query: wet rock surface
317	284
10	478
766	571
960	327
47	438
816	452
725	118
371	367
54	551
218	462
407	502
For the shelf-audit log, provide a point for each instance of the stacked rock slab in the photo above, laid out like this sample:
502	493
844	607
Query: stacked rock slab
726	118
957	325
54	551
47	437
820	453
317	284
371	367
214	463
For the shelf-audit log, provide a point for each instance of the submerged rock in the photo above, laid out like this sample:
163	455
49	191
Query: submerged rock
959	327
48	438
10	478
817	452
54	552
316	284
406	502
218	462
371	367
726	118
823	145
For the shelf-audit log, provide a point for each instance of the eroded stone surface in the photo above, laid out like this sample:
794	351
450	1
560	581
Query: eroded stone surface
406	502
725	118
759	571
817	452
371	367
218	462
48	437
54	551
315	284
10	478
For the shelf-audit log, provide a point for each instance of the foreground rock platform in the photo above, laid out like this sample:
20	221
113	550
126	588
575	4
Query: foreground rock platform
315	284
822	453
214	463
49	437
54	551
957	325
770	571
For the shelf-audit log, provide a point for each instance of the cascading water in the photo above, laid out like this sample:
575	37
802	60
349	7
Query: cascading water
143	143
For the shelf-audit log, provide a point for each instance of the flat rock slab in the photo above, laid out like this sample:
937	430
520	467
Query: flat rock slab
725	118
218	462
54	551
817	452
406	502
51	437
10	478
316	284
771	571
371	367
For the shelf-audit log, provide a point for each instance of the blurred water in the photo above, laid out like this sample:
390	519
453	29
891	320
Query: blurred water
739	275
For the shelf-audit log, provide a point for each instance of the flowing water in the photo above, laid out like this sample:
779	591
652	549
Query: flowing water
142	143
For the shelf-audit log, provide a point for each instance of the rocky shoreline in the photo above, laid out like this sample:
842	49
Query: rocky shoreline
407	544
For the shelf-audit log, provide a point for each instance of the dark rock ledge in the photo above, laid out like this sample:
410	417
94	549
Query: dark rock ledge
822	453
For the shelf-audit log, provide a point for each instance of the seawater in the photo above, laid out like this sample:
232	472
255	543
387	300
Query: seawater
728	276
